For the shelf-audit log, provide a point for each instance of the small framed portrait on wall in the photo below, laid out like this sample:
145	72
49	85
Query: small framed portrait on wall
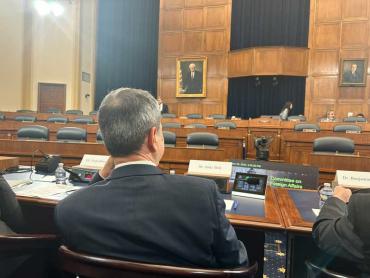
353	72
191	77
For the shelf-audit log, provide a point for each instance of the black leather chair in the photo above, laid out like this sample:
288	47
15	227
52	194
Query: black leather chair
171	125
300	118
194	116
25	118
196	125
33	132
83	120
301	127
99	136
92	266
316	271
217	116
54	110
168	115
74	112
169	138
355	120
63	120
205	140
333	145
346	128
2	116
71	134
35	253
225	125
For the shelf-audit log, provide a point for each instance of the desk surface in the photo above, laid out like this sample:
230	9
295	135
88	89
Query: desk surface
296	208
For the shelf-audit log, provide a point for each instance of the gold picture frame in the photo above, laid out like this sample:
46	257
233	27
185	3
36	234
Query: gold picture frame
191	77
353	72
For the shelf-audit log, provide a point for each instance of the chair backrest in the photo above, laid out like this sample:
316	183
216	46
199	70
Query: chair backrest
334	144
314	270
93	113
24	111
202	139
300	118
169	138
171	125
345	128
196	125
25	118
91	266
54	110
2	116
230	125
74	112
355	119
194	116
217	116
301	127
168	115
83	120
33	251
33	132
57	120
71	134
99	136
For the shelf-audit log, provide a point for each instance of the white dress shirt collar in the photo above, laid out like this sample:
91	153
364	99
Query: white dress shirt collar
138	162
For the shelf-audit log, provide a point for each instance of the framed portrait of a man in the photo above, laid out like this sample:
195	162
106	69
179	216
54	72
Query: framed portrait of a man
191	77
353	72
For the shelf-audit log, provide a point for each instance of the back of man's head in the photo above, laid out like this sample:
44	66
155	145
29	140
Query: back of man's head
125	119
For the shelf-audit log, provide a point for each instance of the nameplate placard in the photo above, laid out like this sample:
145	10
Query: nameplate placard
309	130
93	161
210	168
353	131
352	179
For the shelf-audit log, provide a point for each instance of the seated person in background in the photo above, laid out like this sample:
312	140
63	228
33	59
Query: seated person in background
360	115
330	117
137	212
285	111
343	230
163	108
11	217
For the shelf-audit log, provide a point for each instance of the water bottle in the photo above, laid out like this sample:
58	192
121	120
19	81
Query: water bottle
325	193
60	174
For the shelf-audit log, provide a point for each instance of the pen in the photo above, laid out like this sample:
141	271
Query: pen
235	205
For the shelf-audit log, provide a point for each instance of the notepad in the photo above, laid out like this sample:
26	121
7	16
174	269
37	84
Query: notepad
229	204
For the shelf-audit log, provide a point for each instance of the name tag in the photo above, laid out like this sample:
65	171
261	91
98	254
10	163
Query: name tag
309	130
353	131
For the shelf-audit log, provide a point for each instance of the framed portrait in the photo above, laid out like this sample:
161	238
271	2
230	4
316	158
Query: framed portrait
353	72
191	77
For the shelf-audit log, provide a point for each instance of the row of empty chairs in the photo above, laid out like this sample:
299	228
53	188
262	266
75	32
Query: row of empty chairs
193	140
337	128
56	119
220	125
58	111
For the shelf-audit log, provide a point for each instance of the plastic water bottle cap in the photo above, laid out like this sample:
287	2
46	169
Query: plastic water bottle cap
60	164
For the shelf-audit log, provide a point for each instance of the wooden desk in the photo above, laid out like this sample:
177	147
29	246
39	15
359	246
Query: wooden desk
7	162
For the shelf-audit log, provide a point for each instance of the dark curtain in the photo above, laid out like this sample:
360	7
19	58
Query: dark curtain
269	23
249	98
127	46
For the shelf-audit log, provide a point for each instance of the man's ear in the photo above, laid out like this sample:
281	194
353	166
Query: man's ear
152	139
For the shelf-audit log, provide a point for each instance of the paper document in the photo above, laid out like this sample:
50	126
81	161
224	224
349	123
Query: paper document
43	190
15	183
229	204
316	212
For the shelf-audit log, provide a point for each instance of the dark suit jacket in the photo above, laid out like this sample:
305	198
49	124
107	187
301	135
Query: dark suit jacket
193	85
11	217
344	230
141	214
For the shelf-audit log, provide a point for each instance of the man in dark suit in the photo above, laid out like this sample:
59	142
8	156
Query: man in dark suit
139	213
353	76
344	230
163	108
192	80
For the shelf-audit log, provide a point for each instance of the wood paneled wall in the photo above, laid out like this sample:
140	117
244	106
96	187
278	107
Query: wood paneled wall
338	29
194	28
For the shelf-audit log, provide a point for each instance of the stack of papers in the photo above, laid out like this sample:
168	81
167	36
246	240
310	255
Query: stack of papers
47	190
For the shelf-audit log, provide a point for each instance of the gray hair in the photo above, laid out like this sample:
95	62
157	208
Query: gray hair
125	118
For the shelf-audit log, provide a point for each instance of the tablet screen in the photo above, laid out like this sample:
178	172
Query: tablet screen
250	183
